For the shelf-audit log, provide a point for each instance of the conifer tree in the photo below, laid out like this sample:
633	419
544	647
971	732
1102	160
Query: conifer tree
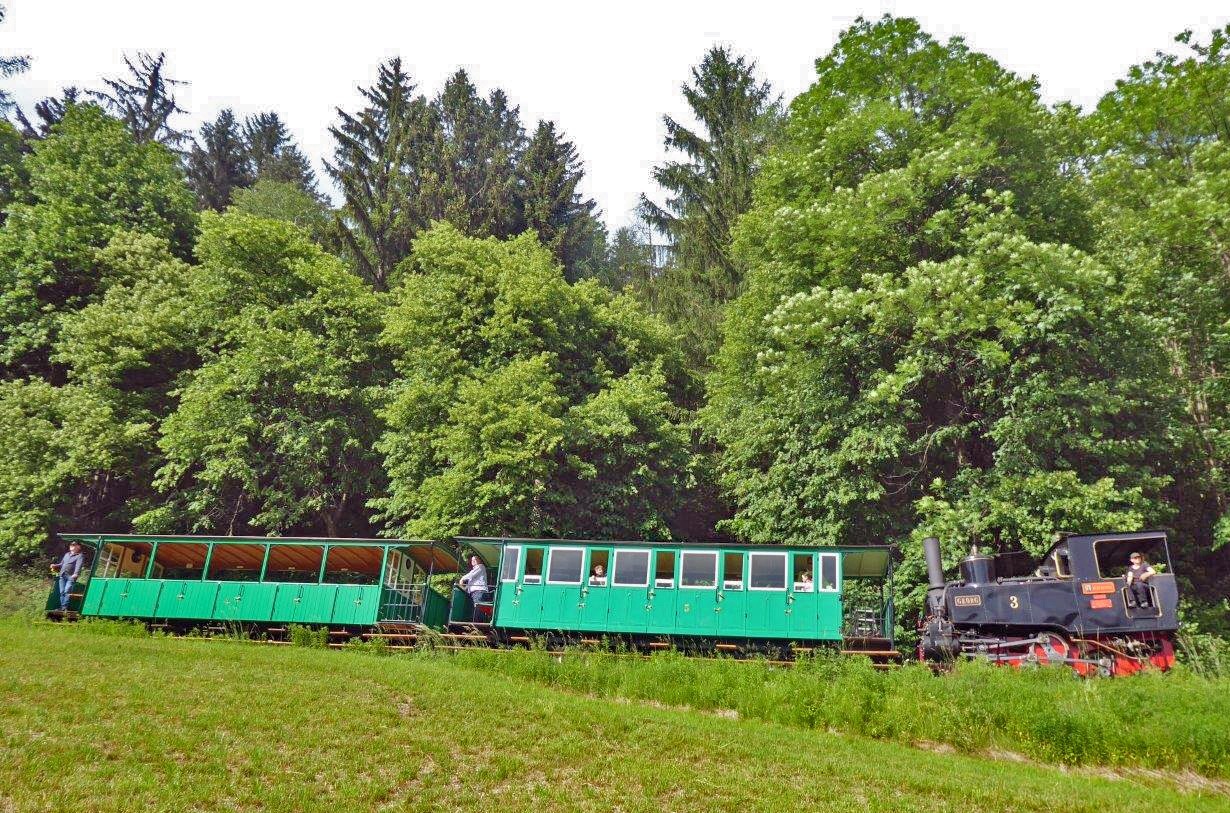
218	165
548	201
273	154
376	222
145	100
49	111
10	66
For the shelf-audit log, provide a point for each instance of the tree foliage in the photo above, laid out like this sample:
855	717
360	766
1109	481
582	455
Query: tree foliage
920	345
88	181
523	404
144	100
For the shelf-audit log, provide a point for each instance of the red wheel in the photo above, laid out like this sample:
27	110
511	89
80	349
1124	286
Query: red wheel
1052	648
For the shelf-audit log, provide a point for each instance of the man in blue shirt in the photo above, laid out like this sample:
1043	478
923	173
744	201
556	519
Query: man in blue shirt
68	569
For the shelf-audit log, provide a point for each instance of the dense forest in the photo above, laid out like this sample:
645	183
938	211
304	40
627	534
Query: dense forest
916	299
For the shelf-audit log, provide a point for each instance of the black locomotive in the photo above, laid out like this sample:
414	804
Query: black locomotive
1072	607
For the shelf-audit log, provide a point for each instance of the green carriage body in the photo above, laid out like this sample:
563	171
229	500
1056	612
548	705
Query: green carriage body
710	591
261	580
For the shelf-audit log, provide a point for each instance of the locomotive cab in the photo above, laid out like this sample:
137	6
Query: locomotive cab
1073	605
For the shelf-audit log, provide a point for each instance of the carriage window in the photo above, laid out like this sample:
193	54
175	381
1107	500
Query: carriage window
127	561
352	564
699	569
533	566
664	572
180	561
599	567
828	571
631	568
508	565
768	571
802	573
565	566
293	563
732	571
239	563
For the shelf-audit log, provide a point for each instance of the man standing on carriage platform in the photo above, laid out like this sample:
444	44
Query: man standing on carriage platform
67	571
475	585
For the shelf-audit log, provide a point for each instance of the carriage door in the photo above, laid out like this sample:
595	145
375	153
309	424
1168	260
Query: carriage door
528	593
627	599
800	611
768	598
660	598
595	592
561	598
828	596
697	603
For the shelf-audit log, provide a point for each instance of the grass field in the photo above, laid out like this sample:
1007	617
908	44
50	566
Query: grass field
96	723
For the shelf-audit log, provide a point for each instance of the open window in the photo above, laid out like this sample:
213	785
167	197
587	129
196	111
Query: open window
599	567
732	570
353	564
565	566
664	570
126	561
239	563
631	568
509	562
1113	556
802	576
829	575
294	563
180	560
768	571
698	570
533	566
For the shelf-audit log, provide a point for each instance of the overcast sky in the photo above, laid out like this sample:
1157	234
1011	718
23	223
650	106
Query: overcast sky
605	72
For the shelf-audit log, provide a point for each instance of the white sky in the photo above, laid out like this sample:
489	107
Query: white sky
605	72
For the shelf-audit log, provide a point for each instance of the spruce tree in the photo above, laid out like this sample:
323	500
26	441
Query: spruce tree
10	66
145	100
548	201
273	154
376	222
48	112
218	164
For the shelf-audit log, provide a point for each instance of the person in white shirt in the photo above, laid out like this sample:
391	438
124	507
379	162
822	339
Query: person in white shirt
475	585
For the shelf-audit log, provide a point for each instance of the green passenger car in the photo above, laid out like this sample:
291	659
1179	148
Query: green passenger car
260	580
719	592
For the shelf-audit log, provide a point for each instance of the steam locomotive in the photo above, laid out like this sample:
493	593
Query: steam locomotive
1072	607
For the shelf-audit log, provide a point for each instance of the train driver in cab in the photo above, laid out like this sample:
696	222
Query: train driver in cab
1138	574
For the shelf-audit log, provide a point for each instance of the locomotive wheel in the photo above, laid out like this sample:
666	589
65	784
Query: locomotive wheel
1051	648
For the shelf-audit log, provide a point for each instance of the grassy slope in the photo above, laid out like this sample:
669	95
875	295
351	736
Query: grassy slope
141	723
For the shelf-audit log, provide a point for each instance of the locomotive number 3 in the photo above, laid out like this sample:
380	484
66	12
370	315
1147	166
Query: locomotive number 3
1014	602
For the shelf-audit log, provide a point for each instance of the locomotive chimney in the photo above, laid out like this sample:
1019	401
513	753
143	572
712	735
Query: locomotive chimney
935	575
935	570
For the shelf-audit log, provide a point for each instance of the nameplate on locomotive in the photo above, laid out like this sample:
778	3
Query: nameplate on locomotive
967	601
1097	588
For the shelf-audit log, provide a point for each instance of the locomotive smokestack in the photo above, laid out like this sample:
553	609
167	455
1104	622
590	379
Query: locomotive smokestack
935	570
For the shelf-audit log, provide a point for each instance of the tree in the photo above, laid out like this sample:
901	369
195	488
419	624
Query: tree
49	112
145	100
219	165
919	346
1162	148
523	404
376	222
549	175
280	200
273	154
709	189
88	181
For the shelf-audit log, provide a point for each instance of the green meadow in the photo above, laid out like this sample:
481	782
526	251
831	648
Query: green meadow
98	722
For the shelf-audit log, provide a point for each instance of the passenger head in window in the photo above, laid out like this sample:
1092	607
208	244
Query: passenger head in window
599	575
